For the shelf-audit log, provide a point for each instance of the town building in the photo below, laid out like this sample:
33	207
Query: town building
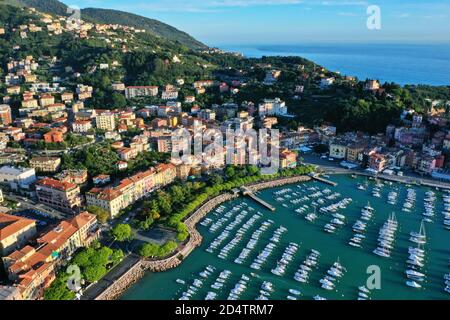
15	232
76	176
141	91
288	159
272	107
81	126
129	190
33	269
64	196
54	135
45	164
17	178
5	114
106	121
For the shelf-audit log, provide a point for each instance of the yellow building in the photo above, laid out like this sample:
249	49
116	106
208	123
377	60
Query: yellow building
14	232
45	164
106	121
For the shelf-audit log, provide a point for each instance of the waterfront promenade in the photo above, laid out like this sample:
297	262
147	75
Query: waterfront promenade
138	269
328	167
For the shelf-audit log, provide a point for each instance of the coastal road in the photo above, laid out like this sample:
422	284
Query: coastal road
408	177
27	203
97	288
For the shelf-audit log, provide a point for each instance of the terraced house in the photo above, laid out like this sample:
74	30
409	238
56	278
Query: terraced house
33	269
14	232
129	190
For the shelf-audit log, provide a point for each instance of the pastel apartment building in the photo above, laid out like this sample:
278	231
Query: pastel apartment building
5	114
15	232
45	164
272	107
129	190
113	199
54	136
33	269
288	159
141	91
81	126
338	150
64	196
106	121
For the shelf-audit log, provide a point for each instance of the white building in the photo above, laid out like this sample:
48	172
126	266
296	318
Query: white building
272	107
141	91
81	126
169	95
326	82
17	178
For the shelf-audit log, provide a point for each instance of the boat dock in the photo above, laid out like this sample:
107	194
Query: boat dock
318	178
248	192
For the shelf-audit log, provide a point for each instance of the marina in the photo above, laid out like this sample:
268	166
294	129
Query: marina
250	253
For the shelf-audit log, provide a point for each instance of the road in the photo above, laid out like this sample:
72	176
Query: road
27	203
408	177
95	289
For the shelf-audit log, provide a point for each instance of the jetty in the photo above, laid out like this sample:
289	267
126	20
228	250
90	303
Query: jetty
248	192
319	178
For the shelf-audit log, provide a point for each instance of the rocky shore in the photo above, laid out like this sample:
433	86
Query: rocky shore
137	271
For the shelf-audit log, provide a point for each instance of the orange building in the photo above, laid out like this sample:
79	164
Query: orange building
34	269
54	135
5	114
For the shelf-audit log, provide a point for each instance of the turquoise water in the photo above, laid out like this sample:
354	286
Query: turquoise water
400	63
311	235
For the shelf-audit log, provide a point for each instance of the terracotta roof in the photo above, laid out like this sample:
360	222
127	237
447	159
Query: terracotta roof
55	184
10	225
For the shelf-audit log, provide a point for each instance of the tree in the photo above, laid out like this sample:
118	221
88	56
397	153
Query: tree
118	101
253	170
167	248
94	273
83	258
58	290
102	214
117	256
149	250
164	202
177	194
121	232
146	224
230	172
216	180
101	256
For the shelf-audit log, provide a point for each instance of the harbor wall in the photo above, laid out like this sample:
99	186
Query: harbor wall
138	270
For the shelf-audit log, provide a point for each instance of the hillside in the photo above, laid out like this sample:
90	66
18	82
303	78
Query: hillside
107	16
154	26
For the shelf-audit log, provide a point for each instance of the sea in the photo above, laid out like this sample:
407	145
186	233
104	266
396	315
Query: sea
427	64
236	223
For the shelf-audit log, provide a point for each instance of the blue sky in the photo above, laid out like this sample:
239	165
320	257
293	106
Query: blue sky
225	22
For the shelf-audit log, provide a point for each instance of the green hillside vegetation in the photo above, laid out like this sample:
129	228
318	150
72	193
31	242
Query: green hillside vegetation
107	16
155	27
149	60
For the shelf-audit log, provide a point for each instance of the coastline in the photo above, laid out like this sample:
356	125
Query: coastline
139	269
